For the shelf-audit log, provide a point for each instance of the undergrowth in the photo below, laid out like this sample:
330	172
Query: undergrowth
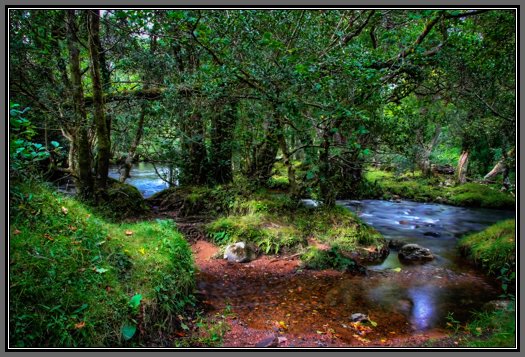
78	281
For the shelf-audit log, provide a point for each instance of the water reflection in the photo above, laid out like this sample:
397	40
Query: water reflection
423	314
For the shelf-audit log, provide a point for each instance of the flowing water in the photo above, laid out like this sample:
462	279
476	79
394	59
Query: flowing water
144	177
402	299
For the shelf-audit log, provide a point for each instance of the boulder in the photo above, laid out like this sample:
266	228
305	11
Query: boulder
239	252
414	253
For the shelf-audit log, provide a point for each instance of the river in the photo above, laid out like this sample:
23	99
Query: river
402	299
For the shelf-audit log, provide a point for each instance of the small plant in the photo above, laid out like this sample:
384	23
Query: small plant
452	323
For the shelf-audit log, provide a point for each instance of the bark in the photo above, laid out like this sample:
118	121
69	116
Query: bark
128	163
462	167
101	125
500	166
326	188
288	164
265	154
223	124
82	173
427	151
194	163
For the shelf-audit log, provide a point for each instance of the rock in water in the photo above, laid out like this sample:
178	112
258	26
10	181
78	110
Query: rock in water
431	234
414	253
239	252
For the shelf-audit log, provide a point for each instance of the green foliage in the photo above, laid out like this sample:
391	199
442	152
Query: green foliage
77	279
318	259
24	153
493	329
477	195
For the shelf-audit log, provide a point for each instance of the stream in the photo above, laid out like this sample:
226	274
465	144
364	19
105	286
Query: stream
400	299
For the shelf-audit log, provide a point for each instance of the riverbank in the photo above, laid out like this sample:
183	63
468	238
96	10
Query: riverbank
439	189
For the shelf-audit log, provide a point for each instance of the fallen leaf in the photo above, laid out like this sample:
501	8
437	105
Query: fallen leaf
320	332
383	340
80	325
48	236
88	216
64	210
16	232
282	325
478	329
142	251
129	233
299	289
100	270
397	270
72	228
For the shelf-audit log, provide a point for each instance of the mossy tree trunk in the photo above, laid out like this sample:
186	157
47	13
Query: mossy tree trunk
194	163
82	170
101	125
221	149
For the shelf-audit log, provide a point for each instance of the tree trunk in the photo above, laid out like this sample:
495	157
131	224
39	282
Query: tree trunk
325	174
462	167
222	126
193	146
83	176
102	130
500	166
427	151
265	154
288	164
128	163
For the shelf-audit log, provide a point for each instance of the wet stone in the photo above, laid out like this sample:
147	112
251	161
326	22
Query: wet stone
414	254
432	234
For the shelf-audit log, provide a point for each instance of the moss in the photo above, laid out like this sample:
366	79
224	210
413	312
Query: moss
276	224
418	188
72	274
122	200
492	329
318	259
493	248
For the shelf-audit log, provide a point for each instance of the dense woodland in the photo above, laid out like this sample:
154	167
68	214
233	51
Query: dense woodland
217	94
246	112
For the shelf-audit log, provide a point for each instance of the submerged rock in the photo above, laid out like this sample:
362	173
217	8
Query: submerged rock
432	234
239	252
414	253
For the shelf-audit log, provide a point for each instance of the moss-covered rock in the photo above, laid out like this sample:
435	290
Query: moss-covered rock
123	200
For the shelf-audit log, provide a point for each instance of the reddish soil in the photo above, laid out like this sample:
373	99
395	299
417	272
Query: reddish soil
273	300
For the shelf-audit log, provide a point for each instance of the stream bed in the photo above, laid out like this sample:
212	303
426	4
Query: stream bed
400	299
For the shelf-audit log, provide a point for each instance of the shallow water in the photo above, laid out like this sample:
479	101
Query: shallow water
401	299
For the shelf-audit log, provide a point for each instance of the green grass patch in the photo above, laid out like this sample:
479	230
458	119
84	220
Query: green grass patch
493	329
276	223
494	248
318	259
77	280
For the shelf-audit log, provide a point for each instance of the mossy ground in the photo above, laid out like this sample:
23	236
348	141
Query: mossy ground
277	224
493	249
415	187
73	274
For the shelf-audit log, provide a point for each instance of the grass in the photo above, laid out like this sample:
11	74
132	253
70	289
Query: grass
418	188
77	280
277	224
494	248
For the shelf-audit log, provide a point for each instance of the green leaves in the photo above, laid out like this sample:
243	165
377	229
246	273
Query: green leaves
134	303
128	331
